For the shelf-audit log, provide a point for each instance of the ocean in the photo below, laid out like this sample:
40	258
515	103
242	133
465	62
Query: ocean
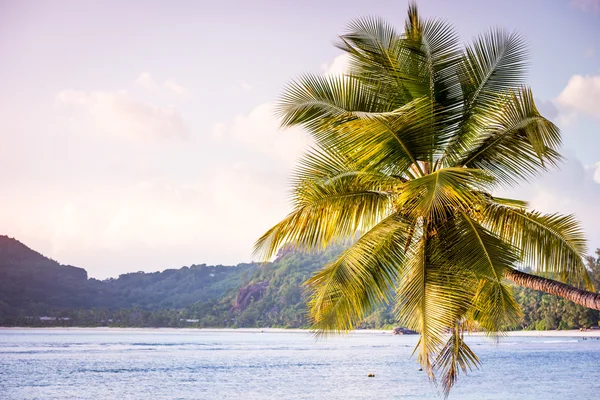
99	364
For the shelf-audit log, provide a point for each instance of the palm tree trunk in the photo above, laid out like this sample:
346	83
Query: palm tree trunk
578	296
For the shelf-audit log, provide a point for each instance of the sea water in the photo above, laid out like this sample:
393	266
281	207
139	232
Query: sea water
196	364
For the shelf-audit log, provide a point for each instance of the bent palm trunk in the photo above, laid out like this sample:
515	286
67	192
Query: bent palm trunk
578	296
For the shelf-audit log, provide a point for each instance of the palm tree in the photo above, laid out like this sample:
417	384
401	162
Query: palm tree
409	147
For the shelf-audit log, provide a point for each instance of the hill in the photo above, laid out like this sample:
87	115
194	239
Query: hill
27	277
38	291
29	281
34	286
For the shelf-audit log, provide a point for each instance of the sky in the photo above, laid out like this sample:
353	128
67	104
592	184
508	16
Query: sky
140	135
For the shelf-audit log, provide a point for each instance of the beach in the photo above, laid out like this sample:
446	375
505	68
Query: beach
593	333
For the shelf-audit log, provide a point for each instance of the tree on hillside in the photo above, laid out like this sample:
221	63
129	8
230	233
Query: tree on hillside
409	147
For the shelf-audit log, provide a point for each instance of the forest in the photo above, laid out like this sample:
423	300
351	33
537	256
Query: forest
37	291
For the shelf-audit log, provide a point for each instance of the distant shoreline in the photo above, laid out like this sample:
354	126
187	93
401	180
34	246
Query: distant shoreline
550	333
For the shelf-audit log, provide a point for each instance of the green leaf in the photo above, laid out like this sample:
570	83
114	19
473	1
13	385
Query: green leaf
455	356
516	142
435	195
548	243
344	292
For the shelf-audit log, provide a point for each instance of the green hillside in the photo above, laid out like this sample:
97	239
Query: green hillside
246	295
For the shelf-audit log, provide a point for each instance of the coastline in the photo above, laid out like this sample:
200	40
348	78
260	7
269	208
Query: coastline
550	333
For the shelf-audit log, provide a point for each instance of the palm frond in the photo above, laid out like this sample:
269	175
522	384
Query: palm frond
377	56
430	298
493	65
333	213
510	202
517	143
548	243
432	196
434	54
473	249
496	62
455	357
479	250
394	140
344	292
495	308
422	63
316	101
344	114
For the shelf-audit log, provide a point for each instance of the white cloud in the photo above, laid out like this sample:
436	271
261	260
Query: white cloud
147	209
259	132
219	132
339	66
174	87
212	216
117	114
580	96
210	212
145	80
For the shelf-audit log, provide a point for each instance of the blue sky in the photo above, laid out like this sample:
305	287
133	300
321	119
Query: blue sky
140	135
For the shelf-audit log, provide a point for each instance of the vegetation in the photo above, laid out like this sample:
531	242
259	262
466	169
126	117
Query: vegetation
410	146
246	295
33	282
542	311
229	298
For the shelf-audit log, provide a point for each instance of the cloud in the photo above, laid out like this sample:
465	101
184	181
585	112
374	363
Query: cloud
581	96
259	132
174	87
213	216
586	5
212	213
340	65
208	213
154	207
118	115
145	80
